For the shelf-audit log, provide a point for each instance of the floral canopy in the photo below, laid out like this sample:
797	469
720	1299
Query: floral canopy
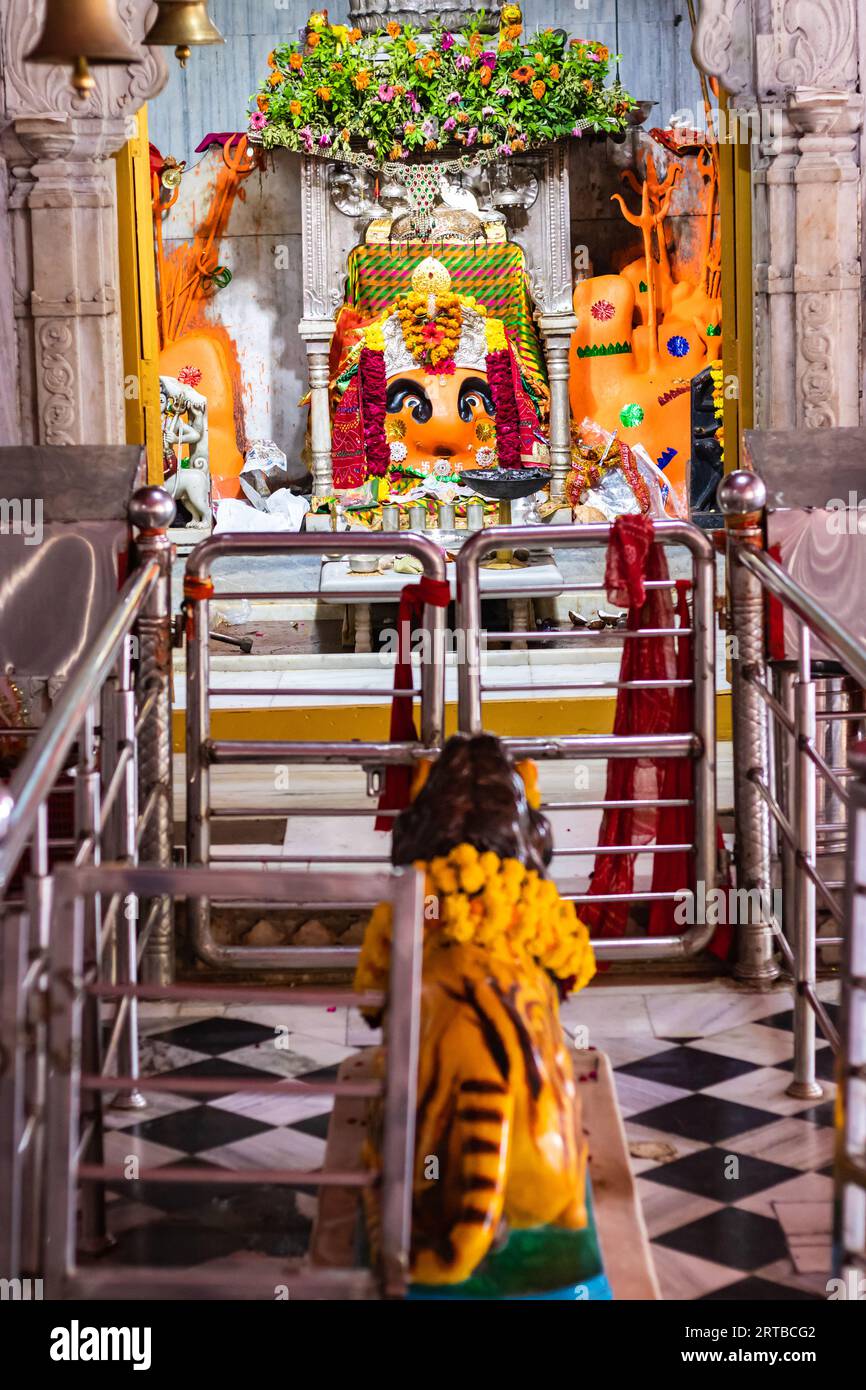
398	94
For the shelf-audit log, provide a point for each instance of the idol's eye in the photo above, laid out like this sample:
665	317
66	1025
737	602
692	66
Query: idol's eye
403	394
475	396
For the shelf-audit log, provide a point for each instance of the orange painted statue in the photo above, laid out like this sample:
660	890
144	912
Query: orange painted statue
643	335
434	384
498	1107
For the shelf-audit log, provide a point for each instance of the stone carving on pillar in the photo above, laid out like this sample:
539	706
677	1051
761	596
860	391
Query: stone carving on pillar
548	256
322	298
798	59
61	213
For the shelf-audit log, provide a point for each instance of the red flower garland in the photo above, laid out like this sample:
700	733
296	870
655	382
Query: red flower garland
501	381
374	395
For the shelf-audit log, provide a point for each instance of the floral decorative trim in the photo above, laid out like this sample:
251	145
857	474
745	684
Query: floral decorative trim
604	350
403	94
500	379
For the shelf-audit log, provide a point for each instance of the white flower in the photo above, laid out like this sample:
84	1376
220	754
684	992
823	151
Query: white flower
398	451
485	457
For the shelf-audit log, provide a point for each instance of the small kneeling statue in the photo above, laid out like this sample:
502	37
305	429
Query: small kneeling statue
497	1107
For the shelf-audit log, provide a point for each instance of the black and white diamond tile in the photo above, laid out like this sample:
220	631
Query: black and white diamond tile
732	1173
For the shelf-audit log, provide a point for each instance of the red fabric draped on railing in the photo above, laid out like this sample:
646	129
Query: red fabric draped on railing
634	560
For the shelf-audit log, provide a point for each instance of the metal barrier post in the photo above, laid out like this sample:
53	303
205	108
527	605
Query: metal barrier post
850	1241
804	1083
152	511
742	497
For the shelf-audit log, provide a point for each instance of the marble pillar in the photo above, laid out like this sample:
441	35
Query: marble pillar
795	63
59	284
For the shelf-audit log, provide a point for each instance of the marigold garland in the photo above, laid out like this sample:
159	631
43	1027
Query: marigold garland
496	904
431	341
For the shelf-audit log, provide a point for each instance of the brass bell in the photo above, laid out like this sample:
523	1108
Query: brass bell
82	32
180	23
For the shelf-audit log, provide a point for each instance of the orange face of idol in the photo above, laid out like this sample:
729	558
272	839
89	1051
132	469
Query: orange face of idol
440	415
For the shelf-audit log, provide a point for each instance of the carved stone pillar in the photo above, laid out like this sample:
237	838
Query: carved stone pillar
797	62
548	254
321	300
62	213
556	333
317	335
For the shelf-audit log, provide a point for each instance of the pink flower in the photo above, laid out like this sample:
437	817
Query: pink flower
454	98
578	131
503	92
488	60
463	63
488	110
505	149
448	41
324	140
449	124
386	93
414	103
258	120
472	135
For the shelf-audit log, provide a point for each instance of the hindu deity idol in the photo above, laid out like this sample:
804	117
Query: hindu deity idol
497	1102
434	385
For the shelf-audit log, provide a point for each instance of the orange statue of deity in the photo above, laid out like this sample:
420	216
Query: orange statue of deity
434	384
643	335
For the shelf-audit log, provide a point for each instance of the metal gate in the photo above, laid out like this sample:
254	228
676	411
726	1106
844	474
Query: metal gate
204	752
699	744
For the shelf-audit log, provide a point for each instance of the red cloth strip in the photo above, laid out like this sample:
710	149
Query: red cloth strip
398	780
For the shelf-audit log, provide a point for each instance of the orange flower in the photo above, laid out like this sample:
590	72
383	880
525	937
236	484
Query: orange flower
505	46
538	90
602	51
296	61
554	73
275	79
400	91
295	108
587	86
486	75
323	93
524	74
312	40
393	30
476	43
345	133
429	145
272	59
362	80
409	128
411	47
487	138
263	103
396	152
336	67
514	31
518	145
354	35
539	57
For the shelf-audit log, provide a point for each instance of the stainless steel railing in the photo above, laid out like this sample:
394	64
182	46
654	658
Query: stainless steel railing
82	1074
850	1240
697	744
778	798
106	746
204	752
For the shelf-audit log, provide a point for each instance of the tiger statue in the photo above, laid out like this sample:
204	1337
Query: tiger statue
499	1142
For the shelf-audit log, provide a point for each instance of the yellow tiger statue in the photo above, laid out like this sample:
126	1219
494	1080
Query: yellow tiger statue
498	1134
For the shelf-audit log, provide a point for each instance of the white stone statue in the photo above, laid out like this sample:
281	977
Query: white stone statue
190	484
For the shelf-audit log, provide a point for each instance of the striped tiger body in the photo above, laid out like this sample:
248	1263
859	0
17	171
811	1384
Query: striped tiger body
498	1119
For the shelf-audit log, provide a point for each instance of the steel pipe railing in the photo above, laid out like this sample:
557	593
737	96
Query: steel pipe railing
777	798
850	1175
699	745
75	1171
94	726
203	752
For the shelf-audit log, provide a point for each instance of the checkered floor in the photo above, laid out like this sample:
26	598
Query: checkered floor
733	1174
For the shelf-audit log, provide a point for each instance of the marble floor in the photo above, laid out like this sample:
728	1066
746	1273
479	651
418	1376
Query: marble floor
734	1175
